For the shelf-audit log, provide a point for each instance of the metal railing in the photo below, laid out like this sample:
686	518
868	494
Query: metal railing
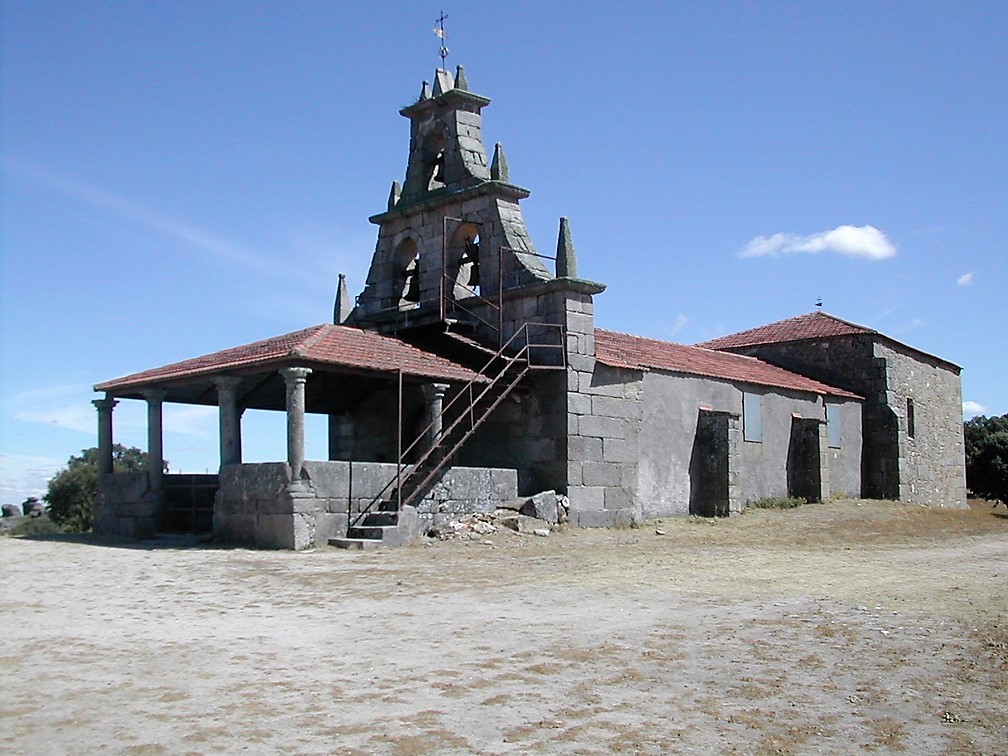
523	351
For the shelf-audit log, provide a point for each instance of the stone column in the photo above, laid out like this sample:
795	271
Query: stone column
155	438
435	393
295	379
104	407
230	419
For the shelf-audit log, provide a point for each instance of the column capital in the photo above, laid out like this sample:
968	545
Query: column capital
105	404
435	390
292	375
154	395
226	381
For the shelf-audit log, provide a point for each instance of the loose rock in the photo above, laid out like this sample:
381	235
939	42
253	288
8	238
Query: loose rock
542	506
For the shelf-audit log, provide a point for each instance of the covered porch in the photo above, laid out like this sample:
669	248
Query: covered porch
377	392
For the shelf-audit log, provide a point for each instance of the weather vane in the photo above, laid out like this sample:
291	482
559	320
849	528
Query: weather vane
818	302
441	34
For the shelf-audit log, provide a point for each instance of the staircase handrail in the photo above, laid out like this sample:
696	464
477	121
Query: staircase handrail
466	390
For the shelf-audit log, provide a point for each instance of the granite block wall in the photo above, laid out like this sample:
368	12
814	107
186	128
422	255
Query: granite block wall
928	469
256	505
931	460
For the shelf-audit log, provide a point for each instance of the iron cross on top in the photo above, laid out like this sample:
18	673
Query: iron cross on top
441	34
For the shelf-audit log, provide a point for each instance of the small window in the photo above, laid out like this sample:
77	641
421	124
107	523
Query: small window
752	417
910	418
833	425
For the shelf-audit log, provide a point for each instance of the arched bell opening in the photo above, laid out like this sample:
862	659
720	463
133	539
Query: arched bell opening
434	160
463	262
408	275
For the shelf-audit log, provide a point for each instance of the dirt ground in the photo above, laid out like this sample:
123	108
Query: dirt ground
833	628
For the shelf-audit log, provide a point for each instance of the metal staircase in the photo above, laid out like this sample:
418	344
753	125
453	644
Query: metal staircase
533	347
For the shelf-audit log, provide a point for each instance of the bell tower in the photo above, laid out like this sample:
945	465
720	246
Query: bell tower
453	232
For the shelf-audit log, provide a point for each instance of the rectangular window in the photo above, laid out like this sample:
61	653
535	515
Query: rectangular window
752	417
833	425
910	418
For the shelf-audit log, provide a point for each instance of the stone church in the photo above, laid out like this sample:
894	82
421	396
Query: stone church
470	371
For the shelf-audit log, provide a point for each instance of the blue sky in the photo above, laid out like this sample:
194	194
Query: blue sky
179	177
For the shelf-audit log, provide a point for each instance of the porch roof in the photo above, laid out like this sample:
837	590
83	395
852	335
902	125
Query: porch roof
333	350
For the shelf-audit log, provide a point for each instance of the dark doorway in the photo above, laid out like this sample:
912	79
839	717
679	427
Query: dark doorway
189	503
709	466
804	474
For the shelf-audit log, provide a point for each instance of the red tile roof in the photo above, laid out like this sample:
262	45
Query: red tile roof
640	353
814	325
323	345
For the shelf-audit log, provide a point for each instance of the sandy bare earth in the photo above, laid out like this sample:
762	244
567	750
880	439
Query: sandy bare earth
834	628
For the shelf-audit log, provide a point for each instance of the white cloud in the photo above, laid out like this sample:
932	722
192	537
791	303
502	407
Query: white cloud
965	279
680	323
851	241
971	409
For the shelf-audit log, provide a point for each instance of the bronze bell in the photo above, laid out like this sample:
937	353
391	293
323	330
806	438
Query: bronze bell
412	286
439	162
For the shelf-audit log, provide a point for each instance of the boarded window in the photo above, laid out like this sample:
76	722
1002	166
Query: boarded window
752	417
910	418
833	425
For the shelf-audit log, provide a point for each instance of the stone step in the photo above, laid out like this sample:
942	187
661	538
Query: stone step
381	517
372	532
355	543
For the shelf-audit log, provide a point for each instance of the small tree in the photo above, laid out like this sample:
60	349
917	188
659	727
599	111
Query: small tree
73	489
987	457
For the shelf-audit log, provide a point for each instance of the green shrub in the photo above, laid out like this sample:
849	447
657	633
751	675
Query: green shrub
34	526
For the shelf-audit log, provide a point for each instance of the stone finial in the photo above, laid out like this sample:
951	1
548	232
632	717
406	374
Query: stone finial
566	260
341	310
443	82
425	93
394	194
499	166
460	79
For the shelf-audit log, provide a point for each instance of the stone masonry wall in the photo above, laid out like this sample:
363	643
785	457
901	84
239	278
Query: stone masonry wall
604	411
126	507
256	506
671	405
849	362
929	471
932	462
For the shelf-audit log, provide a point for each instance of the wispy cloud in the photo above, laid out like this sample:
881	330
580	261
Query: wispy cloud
680	323
65	405
913	325
69	406
865	242
972	409
193	420
24	475
966	279
124	209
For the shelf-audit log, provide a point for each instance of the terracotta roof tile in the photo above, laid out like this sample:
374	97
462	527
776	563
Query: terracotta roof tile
325	344
813	325
640	353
